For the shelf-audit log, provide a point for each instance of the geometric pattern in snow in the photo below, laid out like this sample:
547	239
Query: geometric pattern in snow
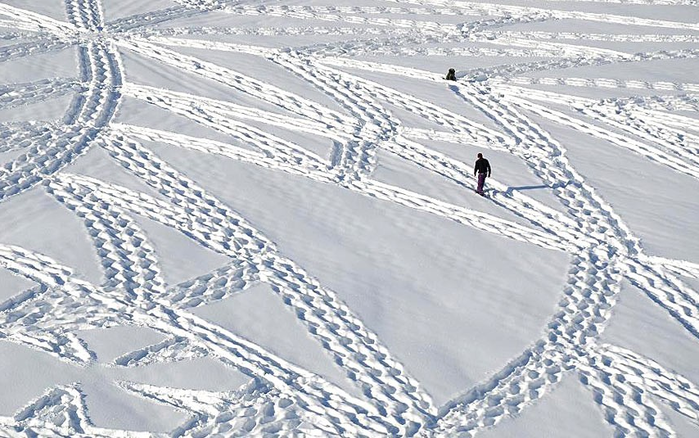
258	315
663	340
565	412
283	398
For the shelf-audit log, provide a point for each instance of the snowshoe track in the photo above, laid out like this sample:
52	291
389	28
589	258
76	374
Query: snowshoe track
283	398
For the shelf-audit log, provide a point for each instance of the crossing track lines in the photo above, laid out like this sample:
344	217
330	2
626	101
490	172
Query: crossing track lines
493	9
224	120
38	21
542	217
521	383
547	159
60	410
359	107
137	23
592	286
664	142
215	286
365	360
621	381
374	189
227	346
581	316
182	102
624	365
44	317
454	123
626	407
121	240
89	112
282	397
350	15
295	167
255	408
673	157
253	87
23	135
503	72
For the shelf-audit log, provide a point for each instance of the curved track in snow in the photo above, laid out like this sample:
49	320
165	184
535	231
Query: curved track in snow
367	119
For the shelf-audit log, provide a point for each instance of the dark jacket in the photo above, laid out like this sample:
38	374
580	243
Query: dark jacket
482	166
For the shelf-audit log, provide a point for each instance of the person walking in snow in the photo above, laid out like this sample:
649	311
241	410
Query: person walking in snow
451	75
482	169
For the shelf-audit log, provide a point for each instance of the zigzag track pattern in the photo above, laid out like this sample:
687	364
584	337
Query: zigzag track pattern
282	398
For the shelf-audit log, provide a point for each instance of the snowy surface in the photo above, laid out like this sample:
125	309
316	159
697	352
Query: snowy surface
258	218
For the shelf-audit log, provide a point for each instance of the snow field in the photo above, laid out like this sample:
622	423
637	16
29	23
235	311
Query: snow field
251	187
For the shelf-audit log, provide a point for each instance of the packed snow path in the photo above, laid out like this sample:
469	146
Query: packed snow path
283	398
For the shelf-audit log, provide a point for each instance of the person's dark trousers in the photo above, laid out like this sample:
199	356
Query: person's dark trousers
481	182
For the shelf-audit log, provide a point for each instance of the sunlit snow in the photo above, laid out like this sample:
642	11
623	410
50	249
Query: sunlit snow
258	218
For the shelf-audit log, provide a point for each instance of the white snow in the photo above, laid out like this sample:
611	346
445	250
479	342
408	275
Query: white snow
258	218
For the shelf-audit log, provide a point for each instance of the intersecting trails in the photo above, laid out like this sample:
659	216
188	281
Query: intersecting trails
283	398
